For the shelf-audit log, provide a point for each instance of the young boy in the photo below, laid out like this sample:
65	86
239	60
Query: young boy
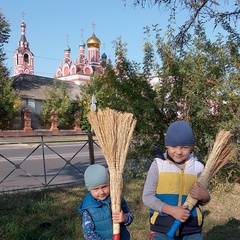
168	183
97	218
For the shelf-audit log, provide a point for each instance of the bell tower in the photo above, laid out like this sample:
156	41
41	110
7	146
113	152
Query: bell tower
93	44
23	57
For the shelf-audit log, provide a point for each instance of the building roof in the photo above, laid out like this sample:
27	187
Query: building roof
35	87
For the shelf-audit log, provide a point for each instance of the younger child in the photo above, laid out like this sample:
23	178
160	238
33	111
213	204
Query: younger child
97	218
168	183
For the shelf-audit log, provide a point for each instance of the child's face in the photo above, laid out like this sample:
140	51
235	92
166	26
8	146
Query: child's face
101	192
179	153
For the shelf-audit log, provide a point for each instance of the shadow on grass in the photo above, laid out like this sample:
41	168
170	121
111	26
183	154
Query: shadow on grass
229	231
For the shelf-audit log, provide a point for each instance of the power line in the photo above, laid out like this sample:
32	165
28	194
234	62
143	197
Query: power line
39	56
48	58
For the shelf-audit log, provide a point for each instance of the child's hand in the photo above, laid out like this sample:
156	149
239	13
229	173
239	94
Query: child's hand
199	192
118	217
181	213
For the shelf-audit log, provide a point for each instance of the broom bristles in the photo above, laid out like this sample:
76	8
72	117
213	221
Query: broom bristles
204	180
219	156
221	152
114	132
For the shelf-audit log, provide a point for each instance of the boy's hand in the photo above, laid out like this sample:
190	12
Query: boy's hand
199	192
180	213
118	217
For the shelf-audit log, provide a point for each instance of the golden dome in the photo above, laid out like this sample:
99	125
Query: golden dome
23	24
93	41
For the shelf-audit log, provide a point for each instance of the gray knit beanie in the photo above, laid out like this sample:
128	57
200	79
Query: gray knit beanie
95	175
179	133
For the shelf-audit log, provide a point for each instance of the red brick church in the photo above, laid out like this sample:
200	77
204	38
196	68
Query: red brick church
78	71
32	88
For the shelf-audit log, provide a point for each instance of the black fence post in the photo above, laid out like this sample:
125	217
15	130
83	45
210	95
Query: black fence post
91	148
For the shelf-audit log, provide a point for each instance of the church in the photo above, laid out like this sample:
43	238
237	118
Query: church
32	88
78	71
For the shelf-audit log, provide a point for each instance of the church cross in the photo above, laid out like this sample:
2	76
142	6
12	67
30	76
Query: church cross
82	33
23	15
93	24
67	38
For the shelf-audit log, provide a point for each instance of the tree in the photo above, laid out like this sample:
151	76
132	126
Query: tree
200	84
122	87
57	99
9	101
4	35
224	13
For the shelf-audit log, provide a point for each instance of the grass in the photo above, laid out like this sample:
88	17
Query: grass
51	214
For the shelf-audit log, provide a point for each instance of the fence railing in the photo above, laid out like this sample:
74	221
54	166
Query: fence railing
44	161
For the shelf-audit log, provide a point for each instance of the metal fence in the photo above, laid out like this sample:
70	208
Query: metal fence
43	161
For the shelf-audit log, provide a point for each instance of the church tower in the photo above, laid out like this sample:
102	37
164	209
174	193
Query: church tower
93	44
81	69
23	57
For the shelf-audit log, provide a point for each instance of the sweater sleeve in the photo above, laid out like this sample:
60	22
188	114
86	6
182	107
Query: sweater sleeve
127	212
89	227
149	190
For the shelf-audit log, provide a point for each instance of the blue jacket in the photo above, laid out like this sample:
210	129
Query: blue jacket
100	212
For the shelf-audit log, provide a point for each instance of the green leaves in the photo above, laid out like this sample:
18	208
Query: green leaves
201	83
57	98
4	34
10	103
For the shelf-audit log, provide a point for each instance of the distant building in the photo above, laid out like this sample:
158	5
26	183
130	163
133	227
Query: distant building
32	91
23	57
80	70
32	88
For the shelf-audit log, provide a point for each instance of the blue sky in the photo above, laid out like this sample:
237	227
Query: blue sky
50	21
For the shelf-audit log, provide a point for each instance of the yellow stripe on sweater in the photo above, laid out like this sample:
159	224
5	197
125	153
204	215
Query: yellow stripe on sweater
169	182
154	217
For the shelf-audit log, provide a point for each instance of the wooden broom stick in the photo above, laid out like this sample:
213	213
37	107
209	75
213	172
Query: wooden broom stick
114	132
219	156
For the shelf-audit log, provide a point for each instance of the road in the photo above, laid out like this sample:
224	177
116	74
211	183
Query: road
34	166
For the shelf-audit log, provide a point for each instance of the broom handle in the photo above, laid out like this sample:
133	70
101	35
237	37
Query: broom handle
116	236
203	179
174	228
190	204
116	231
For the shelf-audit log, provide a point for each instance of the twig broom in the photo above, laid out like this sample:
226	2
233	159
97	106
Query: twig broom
114	132
219	156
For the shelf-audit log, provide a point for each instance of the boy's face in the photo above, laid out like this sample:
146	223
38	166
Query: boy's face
179	153
101	192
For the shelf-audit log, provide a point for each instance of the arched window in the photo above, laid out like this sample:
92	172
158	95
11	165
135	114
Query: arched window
26	58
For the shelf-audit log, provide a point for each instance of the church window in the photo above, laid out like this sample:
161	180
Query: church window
26	58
